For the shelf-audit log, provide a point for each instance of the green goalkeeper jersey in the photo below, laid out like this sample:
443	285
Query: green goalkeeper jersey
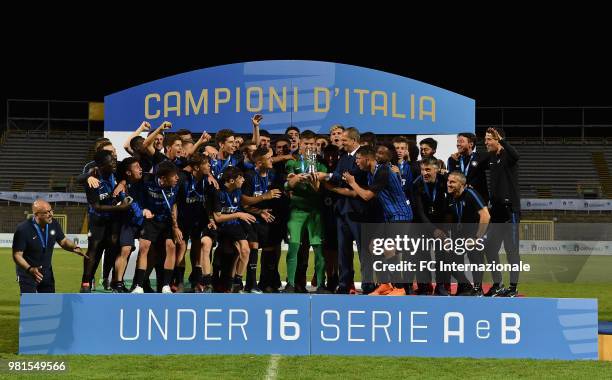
304	196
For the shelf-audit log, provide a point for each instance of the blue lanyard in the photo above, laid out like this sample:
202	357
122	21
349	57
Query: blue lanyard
432	197
222	168
260	181
193	182
459	211
371	176
408	175
229	200
226	163
40	235
165	197
465	169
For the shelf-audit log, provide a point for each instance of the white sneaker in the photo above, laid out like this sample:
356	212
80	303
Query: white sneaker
138	290
255	291
166	289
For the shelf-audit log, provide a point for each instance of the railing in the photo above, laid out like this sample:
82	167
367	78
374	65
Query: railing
48	116
537	230
546	120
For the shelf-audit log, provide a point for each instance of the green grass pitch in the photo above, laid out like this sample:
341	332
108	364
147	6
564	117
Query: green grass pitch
67	268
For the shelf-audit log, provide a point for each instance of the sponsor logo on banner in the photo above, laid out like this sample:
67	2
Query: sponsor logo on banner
29	197
565	247
567	204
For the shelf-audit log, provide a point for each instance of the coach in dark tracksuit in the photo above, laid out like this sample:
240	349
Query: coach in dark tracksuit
430	208
505	207
349	212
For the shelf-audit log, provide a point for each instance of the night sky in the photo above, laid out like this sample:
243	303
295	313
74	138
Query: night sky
521	66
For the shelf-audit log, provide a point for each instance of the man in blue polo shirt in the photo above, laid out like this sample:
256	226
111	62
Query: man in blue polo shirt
33	249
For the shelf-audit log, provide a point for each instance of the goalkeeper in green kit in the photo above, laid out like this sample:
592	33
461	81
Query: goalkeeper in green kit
305	211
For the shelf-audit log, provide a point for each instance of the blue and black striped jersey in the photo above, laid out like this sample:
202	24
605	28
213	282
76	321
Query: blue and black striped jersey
388	188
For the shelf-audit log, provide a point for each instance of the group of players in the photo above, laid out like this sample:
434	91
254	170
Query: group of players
235	197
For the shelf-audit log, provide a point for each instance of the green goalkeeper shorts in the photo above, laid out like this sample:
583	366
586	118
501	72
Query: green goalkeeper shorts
300	219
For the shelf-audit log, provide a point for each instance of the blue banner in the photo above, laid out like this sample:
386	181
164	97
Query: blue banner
163	324
542	328
539	328
310	94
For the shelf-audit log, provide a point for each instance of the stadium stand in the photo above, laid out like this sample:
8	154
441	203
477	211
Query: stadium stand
65	153
559	171
564	168
15	213
46	149
51	162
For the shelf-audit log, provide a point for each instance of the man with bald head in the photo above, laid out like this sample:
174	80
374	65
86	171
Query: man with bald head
33	247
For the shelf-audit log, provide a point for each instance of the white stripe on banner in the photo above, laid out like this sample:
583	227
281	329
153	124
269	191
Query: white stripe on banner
540	247
526	204
565	247
567	204
29	197
6	240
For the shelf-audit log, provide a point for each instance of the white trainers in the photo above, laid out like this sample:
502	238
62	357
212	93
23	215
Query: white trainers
166	289
138	290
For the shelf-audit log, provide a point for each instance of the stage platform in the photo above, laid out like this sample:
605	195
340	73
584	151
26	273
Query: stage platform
605	340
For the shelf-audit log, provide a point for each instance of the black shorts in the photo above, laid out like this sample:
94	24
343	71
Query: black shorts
101	230
210	233
276	234
330	233
330	242
157	231
128	235
27	283
233	232
191	231
260	233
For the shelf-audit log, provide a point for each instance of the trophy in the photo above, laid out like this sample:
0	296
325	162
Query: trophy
311	160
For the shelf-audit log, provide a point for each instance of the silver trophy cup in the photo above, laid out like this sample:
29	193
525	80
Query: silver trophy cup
311	160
